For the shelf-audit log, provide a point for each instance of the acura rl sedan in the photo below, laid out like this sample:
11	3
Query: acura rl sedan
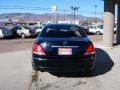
63	47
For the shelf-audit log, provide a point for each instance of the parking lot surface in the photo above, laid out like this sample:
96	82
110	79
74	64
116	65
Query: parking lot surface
16	72
105	77
12	45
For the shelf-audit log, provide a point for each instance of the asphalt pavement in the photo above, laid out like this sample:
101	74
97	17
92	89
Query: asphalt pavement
16	71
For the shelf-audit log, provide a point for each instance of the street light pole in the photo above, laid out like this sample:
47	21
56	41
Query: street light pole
74	16
64	15
95	11
74	10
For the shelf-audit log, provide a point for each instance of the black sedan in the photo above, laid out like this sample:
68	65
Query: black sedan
63	47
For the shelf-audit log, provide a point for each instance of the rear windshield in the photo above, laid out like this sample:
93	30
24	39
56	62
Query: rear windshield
61	31
100	26
26	27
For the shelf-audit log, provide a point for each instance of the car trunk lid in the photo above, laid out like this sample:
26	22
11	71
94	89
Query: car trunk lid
64	47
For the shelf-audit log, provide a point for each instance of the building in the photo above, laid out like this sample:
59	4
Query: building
109	14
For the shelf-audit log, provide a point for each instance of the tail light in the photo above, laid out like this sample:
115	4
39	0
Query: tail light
30	31
90	50
37	49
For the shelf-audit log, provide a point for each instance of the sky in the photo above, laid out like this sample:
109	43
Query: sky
86	7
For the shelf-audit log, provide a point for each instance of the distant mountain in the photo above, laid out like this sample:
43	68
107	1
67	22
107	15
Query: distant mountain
43	17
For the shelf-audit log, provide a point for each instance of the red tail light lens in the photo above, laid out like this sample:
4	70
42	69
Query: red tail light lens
90	50
30	31
37	49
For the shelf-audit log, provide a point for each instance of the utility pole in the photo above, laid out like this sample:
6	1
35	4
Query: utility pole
95	6
74	11
64	15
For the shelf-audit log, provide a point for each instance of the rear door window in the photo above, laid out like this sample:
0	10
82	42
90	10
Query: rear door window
19	28
15	29
26	27
100	26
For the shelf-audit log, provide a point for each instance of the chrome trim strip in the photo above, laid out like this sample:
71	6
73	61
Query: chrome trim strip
66	46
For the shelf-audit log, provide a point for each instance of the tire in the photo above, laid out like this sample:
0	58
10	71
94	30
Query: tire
89	72
34	67
23	36
98	33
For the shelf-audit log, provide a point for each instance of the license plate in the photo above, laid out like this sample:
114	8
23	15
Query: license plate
64	51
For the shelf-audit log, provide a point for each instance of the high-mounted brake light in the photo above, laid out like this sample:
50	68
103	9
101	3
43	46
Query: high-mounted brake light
90	50
37	49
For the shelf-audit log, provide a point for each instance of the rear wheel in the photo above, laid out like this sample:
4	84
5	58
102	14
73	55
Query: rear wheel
89	71
98	33
34	67
23	35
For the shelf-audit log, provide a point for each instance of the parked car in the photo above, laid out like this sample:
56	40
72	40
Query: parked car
115	28
5	33
63	47
22	31
38	29
86	29
96	29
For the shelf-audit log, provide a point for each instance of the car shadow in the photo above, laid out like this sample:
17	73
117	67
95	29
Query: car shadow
104	64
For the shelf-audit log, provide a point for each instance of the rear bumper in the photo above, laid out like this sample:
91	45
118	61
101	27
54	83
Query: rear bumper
63	64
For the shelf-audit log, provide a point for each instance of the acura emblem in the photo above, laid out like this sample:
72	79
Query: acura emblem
64	43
